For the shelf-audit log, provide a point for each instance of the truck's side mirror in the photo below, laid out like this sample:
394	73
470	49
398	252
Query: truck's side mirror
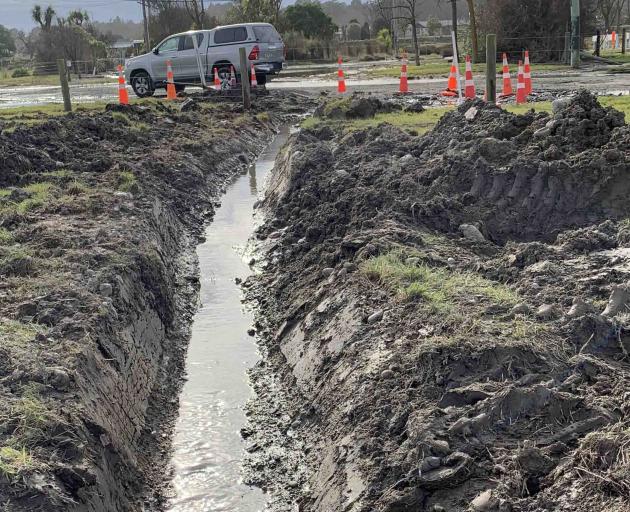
156	51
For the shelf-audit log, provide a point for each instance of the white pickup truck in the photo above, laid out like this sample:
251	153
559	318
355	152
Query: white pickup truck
217	48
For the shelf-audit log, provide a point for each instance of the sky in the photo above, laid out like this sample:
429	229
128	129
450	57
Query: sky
17	13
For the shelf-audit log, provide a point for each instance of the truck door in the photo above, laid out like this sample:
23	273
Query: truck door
167	50
187	68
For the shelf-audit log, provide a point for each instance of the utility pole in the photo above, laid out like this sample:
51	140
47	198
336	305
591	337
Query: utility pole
147	40
491	68
203	14
575	34
454	16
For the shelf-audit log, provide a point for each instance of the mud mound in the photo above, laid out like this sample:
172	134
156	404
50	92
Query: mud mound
449	313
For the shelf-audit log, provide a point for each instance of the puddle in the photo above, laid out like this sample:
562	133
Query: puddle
207	449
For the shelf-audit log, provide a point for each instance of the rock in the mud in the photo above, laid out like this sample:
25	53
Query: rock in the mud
484	502
387	374
407	160
429	464
455	469
437	447
547	312
618	301
106	289
471	113
521	309
251	332
375	317
342	173
461	426
471	233
327	272
580	308
560	104
58	379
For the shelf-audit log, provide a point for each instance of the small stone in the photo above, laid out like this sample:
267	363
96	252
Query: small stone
471	233
350	267
58	379
547	312
326	272
542	133
406	160
618	300
560	104
484	502
387	374
521	309
579	308
429	463
251	261
251	332
461	426
105	289
123	195
438	447
471	113
342	173
375	317
275	234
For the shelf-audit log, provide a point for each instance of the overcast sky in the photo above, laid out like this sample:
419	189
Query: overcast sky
17	13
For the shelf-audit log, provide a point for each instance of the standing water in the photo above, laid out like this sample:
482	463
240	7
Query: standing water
208	449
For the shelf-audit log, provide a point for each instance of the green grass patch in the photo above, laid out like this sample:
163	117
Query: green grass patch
16	261
441	289
5	192
434	65
127	181
121	118
40	195
14	462
14	332
32	419
6	237
59	173
77	188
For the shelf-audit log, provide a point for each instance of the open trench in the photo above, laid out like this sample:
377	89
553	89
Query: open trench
207	448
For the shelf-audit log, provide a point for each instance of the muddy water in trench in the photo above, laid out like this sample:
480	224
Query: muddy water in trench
207	447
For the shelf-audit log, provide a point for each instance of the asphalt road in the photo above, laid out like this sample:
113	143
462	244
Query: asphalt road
596	81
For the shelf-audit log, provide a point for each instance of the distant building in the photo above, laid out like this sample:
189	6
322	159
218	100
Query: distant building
123	49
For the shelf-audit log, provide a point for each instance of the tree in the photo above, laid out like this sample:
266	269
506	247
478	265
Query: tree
434	26
402	10
385	38
7	43
473	30
43	18
365	31
611	11
353	31
309	19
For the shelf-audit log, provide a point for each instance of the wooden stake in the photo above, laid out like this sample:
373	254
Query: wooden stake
247	102
65	90
491	68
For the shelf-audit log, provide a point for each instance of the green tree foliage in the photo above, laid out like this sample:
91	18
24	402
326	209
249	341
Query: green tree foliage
365	31
385	38
434	26
309	19
353	31
7	43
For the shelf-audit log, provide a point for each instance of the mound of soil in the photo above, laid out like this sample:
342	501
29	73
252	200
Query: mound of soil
100	213
447	315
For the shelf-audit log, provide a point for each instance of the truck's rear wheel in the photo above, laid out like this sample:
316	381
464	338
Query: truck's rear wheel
142	85
261	78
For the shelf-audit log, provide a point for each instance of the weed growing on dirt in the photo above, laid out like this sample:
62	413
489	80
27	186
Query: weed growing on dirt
40	194
263	117
17	333
59	173
16	261
127	181
121	118
440	288
77	188
33	420
14	461
4	192
6	237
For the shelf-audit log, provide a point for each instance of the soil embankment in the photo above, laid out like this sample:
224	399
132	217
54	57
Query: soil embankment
444	318
100	214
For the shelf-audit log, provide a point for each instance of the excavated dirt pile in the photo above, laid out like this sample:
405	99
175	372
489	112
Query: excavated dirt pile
100	214
446	317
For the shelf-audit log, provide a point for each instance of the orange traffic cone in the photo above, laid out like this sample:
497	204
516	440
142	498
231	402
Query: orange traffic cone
521	95
527	75
470	84
217	80
253	80
341	81
507	79
404	84
232	77
614	40
171	93
451	88
123	96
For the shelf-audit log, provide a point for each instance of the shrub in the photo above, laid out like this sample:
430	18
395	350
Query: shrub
20	72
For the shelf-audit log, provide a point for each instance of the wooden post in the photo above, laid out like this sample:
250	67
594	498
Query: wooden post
491	68
624	34
576	38
247	102
65	90
598	42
